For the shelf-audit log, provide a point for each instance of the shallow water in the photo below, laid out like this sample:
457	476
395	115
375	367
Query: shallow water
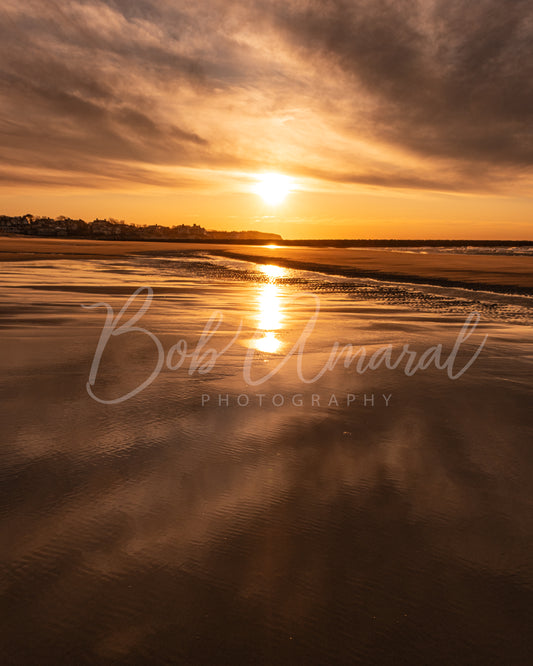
162	530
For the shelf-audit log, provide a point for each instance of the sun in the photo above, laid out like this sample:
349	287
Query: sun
273	188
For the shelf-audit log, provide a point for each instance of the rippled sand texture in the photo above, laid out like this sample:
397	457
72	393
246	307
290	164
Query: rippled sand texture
158	531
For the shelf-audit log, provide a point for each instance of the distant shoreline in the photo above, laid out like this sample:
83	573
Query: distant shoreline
309	242
498	273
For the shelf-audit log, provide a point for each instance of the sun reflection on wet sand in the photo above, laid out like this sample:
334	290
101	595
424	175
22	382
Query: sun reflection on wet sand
270	314
272	271
269	344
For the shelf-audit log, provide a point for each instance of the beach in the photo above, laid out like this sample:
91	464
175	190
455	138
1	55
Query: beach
493	272
268	456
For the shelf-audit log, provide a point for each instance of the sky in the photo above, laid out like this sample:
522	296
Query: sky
392	119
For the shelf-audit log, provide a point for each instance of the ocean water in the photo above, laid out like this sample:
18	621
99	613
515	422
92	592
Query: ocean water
498	250
255	502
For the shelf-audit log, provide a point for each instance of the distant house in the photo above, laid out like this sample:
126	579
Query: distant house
117	229
102	228
14	225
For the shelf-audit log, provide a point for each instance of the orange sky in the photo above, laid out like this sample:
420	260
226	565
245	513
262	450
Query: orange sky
390	123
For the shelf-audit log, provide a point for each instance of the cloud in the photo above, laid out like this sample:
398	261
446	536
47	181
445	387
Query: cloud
420	95
447	79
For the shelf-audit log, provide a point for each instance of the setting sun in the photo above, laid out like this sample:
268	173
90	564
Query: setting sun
273	188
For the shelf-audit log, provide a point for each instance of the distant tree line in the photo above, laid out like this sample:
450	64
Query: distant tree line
112	229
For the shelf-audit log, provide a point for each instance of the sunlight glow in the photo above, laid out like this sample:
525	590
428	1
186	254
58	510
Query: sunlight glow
269	319
272	271
269	308
273	188
269	344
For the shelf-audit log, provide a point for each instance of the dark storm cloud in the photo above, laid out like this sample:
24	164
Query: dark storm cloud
60	96
89	85
448	78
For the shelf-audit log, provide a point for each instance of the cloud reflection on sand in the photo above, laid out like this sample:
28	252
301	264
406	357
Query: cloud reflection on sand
161	530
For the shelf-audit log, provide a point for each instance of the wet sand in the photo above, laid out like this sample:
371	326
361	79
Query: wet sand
183	526
499	273
514	273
